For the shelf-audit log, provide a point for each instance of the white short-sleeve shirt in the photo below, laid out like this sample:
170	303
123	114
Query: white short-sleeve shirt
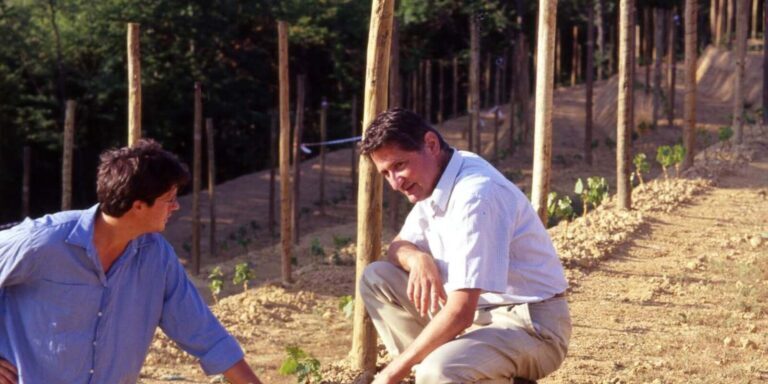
483	233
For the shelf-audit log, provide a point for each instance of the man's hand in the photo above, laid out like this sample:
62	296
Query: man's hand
8	373
241	373
425	286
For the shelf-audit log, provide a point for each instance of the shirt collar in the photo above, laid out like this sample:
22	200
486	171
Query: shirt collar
82	233
438	201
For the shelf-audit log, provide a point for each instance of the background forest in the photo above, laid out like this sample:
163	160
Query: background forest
52	51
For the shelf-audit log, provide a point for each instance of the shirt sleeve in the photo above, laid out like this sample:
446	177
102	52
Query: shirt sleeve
413	229
188	321
478	247
16	248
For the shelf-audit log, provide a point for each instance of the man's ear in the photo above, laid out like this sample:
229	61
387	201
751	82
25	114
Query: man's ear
432	142
138	205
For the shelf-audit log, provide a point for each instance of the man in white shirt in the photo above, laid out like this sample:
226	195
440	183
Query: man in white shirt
472	289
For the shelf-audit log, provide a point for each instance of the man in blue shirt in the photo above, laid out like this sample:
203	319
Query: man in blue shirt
81	292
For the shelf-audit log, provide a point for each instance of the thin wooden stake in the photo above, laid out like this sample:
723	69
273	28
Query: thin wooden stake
589	85
27	165
741	55
285	139
354	120
455	101
298	132
323	115
474	84
623	142
671	66
134	84
273	149
196	177
369	195
211	185
66	164
428	91
440	93
542	146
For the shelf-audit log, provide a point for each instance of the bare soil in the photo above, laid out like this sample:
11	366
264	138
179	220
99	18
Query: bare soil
673	291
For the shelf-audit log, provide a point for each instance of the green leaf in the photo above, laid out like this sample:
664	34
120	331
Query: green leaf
579	188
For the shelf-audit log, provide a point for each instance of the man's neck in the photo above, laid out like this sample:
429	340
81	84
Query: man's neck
110	237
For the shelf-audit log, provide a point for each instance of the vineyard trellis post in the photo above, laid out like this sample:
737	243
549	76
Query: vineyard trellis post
689	98
286	231
625	102
211	185
67	154
197	136
134	84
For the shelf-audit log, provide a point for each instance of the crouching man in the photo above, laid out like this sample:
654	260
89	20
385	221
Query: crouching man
82	292
472	289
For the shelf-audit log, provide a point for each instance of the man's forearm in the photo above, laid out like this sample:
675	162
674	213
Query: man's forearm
241	373
400	251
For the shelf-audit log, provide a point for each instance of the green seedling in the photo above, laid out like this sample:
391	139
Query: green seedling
665	157
340	241
299	363
594	192
725	133
347	305
315	249
216	283
678	155
641	166
243	274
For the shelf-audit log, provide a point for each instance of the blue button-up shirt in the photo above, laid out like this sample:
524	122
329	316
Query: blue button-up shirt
63	320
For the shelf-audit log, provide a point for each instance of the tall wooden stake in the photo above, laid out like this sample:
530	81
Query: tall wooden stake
394	102
474	84
671	67
66	164
455	101
197	171
623	126
286	232
323	115
741	55
658	45
298	132
428	91
211	186
273	149
440	92
354	120
575	55
542	146
765	61
689	99
589	84
25	177
134	84
369	195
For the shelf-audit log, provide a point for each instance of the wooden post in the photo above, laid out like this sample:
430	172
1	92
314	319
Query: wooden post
486	80
455	111
689	99
26	171
755	17
323	115
658	45
286	232
474	84
558	56
134	84
196	177
428	91
575	55
273	149
542	146
440	91
211	186
369	195
741	56
513	97
765	61
298	132
66	164
720	23
671	66
648	32
525	89
598	24
623	126
394	102
729	22
354	119
589	84
713	7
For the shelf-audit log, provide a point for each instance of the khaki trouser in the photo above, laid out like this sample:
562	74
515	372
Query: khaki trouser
526	340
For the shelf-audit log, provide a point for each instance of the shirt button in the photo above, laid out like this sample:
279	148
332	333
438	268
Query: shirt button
99	313
91	371
94	343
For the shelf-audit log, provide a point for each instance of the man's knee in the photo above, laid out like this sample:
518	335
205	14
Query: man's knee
437	370
376	274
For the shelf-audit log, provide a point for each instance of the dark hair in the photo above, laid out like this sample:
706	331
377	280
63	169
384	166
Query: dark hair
141	172
401	127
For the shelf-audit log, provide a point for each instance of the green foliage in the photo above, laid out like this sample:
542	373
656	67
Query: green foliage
665	158
340	241
242	238
593	193
641	165
558	209
243	274
316	249
347	305
299	363
216	282
724	133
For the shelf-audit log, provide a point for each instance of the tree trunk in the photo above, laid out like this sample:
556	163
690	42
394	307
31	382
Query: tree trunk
720	23
211	186
598	16
623	125
68	147
197	171
25	177
440	92
474	84
525	90
729	23
298	133
589	85
558	56
323	137
671	69
60	83
658	45
369	196
542	148
455	87
755	18
513	102
286	232
574	55
273	148
648	48
428	91
689	102
741	56
487	81
134	84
